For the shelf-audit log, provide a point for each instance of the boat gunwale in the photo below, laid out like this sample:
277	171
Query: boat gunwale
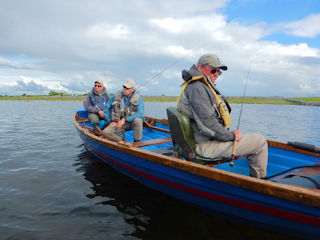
293	193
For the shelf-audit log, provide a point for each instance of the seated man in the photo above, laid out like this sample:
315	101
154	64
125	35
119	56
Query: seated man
210	118
125	110
96	102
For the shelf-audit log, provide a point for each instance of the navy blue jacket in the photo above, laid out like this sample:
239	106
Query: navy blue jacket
97	101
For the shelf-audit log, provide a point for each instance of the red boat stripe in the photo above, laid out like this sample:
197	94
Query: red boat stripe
254	207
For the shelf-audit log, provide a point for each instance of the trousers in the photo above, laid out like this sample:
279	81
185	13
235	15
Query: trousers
254	146
94	119
136	125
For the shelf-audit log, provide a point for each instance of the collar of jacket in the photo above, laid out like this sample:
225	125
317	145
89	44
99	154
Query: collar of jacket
103	91
195	78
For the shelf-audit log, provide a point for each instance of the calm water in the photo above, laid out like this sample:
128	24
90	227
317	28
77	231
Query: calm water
51	188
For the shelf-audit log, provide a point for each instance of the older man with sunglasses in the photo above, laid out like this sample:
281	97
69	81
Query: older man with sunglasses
209	113
96	101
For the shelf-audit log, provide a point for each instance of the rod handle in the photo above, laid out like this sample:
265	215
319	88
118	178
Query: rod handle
234	149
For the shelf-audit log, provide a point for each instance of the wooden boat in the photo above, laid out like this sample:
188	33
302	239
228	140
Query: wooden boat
288	202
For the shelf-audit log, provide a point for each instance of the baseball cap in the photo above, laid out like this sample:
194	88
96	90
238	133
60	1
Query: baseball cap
99	81
212	60
129	83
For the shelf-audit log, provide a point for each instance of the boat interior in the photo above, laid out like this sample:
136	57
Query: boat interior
286	164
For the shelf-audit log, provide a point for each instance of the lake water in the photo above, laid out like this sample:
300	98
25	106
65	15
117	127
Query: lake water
51	188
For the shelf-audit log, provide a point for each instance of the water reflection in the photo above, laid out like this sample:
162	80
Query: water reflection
154	215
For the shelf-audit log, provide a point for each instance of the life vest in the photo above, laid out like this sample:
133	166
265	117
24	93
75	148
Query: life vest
120	110
222	106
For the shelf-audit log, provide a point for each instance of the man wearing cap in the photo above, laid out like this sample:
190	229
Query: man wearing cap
209	114
96	101
125	110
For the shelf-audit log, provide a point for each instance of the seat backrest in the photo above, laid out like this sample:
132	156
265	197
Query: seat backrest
181	133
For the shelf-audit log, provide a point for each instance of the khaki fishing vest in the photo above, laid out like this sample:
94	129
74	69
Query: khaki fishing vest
119	110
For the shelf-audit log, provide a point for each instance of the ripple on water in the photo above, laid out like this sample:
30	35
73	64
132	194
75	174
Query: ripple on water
51	188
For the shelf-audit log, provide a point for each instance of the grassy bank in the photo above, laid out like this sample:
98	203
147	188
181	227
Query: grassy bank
308	100
46	98
81	98
260	100
247	100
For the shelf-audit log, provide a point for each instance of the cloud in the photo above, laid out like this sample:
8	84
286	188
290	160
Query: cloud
172	74
105	31
307	89
19	62
20	87
147	40
210	22
308	27
32	86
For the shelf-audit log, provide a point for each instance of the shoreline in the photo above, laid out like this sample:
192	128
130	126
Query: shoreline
312	101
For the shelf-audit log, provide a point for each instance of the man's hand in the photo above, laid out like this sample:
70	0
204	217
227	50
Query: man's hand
237	134
101	114
120	123
113	124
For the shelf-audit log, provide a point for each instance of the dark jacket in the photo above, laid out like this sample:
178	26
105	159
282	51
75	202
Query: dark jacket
96	101
198	102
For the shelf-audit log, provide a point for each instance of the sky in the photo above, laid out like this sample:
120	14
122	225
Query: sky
271	46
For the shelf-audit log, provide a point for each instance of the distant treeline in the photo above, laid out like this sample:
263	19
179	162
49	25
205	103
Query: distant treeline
313	101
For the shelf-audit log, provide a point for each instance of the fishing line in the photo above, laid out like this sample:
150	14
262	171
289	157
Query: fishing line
170	65
243	96
234	148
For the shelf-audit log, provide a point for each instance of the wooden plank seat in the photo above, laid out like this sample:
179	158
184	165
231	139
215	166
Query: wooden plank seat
168	151
152	142
151	125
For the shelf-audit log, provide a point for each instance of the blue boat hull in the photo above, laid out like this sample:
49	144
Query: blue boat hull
265	211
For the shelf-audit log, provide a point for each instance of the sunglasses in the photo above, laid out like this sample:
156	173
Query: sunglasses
97	86
213	71
126	88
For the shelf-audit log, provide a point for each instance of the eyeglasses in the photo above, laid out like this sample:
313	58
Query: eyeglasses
213	71
126	88
97	86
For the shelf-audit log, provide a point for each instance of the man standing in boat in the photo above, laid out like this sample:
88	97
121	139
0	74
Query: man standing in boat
209	113
96	101
125	110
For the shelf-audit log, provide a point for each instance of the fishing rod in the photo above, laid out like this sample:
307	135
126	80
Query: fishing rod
171	64
243	96
234	148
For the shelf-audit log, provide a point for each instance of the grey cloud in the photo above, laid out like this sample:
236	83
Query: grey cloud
60	36
78	87
21	87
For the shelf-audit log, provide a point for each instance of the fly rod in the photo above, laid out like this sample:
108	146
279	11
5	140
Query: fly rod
234	148
172	64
